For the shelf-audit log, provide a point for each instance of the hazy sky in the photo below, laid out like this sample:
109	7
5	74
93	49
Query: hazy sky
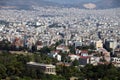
71	1
100	4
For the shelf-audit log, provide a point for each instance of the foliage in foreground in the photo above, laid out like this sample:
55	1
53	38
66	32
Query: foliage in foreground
13	67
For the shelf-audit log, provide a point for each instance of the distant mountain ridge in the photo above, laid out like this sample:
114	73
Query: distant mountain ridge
27	4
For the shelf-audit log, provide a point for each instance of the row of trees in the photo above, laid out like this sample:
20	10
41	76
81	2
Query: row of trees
90	72
6	45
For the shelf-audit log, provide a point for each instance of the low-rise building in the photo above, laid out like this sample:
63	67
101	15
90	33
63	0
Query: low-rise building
62	48
115	61
99	44
84	53
84	61
73	57
94	60
45	68
54	54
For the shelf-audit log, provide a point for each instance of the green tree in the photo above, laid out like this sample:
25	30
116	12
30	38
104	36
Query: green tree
105	78
2	71
75	62
45	50
72	49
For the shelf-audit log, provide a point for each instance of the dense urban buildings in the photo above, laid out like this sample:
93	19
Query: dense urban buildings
45	26
62	36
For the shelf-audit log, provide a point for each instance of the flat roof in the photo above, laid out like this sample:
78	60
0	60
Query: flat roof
38	64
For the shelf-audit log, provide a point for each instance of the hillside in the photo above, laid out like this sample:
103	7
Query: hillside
27	4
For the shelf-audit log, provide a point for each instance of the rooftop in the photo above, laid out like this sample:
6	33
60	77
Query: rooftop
38	64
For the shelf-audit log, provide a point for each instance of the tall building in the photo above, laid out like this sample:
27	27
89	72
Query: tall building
111	44
99	44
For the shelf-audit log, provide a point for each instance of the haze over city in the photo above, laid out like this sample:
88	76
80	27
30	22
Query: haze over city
26	4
